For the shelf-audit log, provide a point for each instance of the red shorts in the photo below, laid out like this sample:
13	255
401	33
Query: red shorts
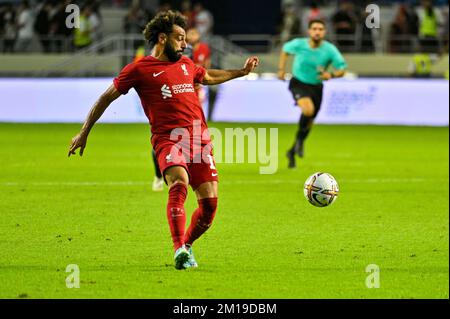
199	163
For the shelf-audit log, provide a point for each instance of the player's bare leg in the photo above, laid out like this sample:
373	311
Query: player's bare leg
158	181
207	190
307	106
306	121
203	216
177	179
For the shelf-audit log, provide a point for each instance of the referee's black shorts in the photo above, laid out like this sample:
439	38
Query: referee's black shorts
314	91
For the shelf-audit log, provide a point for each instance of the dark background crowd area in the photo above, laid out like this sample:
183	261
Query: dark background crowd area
21	21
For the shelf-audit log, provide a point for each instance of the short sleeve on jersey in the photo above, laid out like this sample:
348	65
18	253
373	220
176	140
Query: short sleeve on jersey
199	74
292	47
337	59
126	79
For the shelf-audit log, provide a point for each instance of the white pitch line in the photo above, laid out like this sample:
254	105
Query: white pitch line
229	182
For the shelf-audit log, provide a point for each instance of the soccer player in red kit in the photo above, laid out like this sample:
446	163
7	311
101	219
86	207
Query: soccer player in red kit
165	83
201	55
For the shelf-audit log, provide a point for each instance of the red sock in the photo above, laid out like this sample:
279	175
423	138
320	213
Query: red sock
176	214
201	219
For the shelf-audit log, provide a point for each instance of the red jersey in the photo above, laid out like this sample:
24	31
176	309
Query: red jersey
201	54
167	93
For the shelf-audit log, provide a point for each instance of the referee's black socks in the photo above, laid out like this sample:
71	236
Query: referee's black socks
305	125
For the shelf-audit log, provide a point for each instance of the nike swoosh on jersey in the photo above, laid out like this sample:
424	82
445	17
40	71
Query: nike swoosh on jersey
158	74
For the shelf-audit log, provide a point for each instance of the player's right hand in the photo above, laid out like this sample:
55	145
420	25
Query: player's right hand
281	75
79	141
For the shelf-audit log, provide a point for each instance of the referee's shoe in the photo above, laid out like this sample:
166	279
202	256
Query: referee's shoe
291	158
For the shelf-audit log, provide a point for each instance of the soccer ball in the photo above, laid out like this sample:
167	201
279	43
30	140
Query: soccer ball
321	189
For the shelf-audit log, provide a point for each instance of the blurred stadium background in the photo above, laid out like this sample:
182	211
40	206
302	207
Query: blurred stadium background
394	207
407	45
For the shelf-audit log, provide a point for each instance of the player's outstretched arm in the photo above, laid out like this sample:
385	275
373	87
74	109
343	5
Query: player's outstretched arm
213	77
79	141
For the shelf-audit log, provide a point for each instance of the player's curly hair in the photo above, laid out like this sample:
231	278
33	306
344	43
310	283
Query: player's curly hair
163	22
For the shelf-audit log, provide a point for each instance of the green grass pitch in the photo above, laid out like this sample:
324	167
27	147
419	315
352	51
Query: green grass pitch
267	241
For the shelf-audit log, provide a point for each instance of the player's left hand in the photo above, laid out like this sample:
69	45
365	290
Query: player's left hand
324	75
250	64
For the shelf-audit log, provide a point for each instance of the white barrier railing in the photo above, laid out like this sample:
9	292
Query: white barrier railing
361	101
